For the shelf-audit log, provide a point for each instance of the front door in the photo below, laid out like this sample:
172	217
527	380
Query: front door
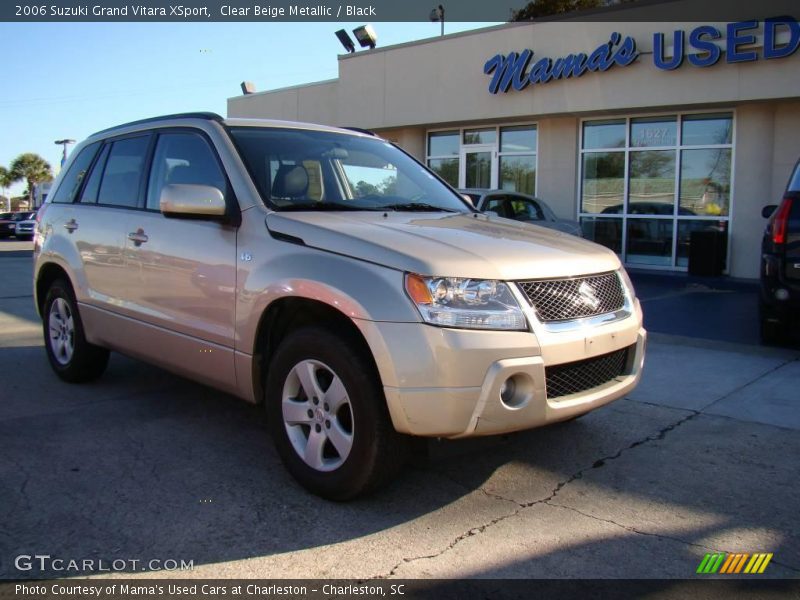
183	271
478	167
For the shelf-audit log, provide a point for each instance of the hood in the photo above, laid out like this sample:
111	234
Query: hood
447	244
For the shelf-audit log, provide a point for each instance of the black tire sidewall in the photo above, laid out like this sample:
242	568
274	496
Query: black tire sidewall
87	361
367	404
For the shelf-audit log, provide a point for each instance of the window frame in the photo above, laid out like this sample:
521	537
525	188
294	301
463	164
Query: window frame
498	154
230	199
678	148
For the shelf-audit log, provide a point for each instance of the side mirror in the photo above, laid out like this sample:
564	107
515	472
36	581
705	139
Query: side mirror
468	199
767	211
191	200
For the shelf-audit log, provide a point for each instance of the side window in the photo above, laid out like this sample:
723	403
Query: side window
123	172
527	210
71	182
89	195
497	204
182	158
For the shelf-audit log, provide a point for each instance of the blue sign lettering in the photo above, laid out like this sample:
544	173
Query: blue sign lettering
770	26
512	69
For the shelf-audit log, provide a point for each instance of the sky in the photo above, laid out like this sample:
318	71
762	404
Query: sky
68	80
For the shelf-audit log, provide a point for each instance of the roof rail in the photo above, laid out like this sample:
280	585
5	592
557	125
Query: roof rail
209	116
361	130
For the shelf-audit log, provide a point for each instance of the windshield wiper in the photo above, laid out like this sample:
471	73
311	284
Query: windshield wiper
324	206
416	207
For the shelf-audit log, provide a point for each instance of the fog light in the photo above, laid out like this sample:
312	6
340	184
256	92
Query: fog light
782	294
508	390
516	391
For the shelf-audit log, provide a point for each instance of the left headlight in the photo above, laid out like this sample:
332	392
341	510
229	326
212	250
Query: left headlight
465	303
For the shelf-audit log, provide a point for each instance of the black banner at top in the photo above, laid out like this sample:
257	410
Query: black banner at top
378	10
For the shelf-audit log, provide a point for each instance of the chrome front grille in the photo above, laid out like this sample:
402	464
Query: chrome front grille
582	375
576	297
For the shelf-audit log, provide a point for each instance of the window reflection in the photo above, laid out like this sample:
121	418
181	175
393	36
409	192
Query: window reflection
606	232
604	134
480	136
706	181
653	131
651	188
518	173
603	182
443	143
705	129
649	242
446	168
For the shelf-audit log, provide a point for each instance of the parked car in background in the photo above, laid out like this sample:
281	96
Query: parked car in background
330	276
26	225
779	304
7	225
520	207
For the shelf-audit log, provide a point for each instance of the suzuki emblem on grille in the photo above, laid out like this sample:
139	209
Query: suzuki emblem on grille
588	296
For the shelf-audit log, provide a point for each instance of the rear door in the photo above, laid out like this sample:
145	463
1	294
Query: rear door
96	223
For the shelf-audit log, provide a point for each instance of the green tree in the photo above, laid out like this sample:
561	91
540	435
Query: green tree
546	8
33	169
5	182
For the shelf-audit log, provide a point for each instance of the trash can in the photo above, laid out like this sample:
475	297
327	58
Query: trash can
707	253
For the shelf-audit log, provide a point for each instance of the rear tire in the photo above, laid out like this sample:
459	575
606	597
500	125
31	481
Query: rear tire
72	358
328	416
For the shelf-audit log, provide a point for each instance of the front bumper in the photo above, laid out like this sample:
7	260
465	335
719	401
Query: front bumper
447	382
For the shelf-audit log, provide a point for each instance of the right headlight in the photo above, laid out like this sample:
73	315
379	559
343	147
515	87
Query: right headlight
465	303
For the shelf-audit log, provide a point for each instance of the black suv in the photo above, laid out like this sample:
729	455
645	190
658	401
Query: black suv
780	264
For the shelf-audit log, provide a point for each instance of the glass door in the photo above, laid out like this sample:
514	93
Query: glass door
478	166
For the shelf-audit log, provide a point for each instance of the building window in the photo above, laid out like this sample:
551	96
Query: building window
443	149
486	157
648	183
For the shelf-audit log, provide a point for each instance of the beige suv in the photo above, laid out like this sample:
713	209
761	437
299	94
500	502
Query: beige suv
328	274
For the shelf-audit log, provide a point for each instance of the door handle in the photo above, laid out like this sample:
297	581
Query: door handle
138	237
71	225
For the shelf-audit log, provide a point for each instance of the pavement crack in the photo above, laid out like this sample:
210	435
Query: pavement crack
521	506
656	535
752	381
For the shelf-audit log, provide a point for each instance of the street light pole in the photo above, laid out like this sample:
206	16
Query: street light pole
437	14
64	143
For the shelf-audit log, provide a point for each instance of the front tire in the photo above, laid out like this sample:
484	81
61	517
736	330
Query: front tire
328	416
72	358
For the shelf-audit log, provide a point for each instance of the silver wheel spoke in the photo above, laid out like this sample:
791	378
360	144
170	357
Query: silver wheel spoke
296	413
62	310
306	373
335	395
313	451
340	439
311	424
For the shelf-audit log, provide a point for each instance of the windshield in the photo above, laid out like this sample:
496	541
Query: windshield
297	169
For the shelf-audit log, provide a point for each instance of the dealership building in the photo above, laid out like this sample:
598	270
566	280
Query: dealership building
654	135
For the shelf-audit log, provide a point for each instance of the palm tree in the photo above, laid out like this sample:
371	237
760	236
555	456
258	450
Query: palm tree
33	169
5	182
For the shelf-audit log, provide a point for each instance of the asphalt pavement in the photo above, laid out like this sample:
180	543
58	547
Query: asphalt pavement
145	466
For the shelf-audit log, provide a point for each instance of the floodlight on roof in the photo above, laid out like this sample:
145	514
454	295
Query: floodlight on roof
248	87
366	36
345	40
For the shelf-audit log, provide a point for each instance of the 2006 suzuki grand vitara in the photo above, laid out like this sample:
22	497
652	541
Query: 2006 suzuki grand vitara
330	275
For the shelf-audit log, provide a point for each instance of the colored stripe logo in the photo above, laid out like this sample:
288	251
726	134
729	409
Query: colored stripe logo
725	563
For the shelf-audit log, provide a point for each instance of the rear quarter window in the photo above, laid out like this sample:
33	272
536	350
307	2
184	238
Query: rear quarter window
71	183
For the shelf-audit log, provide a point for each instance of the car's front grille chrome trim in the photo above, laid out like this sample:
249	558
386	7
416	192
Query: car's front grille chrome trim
569	299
